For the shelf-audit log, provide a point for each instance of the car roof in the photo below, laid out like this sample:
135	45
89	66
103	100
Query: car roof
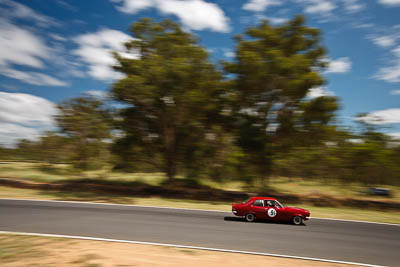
264	198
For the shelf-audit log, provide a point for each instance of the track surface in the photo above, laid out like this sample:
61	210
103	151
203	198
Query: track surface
333	240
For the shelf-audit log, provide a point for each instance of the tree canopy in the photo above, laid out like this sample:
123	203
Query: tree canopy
172	95
274	69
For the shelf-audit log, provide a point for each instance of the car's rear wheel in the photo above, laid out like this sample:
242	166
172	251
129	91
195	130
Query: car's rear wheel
297	220
250	217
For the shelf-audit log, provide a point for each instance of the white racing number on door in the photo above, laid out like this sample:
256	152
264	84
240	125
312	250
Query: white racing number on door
271	212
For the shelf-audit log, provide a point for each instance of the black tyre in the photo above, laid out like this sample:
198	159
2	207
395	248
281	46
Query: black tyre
297	220
250	217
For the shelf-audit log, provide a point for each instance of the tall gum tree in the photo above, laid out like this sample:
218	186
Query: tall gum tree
273	71
170	92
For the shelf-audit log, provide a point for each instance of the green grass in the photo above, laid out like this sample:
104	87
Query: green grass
325	212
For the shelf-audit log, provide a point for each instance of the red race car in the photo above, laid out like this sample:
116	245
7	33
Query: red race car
269	208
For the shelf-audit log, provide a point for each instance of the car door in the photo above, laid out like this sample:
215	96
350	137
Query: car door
257	207
271	211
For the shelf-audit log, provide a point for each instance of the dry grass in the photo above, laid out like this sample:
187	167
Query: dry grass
18	250
42	172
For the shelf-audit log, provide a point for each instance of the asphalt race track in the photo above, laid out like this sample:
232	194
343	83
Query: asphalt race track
333	240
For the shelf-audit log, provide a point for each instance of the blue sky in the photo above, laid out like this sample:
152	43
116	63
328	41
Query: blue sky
54	50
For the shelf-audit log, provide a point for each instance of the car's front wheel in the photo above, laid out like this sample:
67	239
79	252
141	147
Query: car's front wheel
297	220
250	217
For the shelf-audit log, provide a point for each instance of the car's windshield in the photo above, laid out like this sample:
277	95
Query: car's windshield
281	205
247	200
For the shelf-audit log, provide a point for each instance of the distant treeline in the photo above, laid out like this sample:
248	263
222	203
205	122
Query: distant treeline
250	119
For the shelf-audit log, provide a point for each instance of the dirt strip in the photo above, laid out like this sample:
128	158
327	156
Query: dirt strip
43	251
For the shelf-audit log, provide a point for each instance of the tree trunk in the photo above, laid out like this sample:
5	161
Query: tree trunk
170	167
170	152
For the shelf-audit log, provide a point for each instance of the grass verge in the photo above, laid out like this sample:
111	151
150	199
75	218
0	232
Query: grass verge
46	172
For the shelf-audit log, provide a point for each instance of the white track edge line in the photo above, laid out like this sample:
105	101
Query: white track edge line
189	247
110	204
160	207
344	220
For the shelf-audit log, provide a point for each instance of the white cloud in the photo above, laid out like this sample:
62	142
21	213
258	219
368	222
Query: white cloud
389	2
272	20
97	93
57	37
133	6
11	133
318	92
323	7
275	20
22	47
31	77
353	6
384	41
326	8
391	73
340	65
395	92
96	49
13	10
228	53
19	46
387	116
24	116
194	14
361	25
260	5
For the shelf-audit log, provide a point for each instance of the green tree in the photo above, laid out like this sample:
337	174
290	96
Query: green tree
87	123
54	147
274	69
172	97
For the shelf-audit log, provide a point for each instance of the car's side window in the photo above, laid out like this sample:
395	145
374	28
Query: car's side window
269	203
258	203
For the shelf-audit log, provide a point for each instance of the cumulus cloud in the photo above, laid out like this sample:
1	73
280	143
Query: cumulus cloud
96	93
389	2
391	73
32	77
24	116
194	14
353	6
272	20
326	8
387	116
95	49
340	65
395	92
318	92
13	10
323	7
384	41
22	47
228	53
260	5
